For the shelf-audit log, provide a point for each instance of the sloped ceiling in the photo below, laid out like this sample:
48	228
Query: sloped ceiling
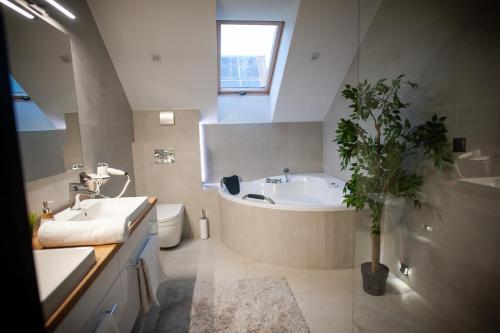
308	88
183	33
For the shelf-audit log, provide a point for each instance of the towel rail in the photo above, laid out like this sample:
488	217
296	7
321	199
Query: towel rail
259	197
134	262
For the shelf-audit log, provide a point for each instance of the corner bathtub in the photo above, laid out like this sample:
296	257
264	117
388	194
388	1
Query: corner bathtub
306	227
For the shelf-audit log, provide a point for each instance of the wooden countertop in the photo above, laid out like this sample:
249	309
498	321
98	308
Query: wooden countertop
103	255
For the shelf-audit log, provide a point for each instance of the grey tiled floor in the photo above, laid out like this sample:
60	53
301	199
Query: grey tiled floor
325	297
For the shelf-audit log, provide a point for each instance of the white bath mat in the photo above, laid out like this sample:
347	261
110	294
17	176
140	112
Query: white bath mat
250	305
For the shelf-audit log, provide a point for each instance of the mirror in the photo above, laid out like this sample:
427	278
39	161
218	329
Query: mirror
43	90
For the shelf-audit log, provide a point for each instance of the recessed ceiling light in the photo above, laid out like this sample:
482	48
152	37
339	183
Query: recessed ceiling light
61	9
156	57
17	9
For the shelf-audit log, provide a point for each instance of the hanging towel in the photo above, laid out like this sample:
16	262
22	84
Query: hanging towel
151	273
79	233
107	325
232	184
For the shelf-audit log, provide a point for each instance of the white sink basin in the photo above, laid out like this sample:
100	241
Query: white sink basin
93	209
58	271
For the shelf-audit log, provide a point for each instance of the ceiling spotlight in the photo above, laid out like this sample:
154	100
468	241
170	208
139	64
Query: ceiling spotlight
17	9
61	9
403	268
427	228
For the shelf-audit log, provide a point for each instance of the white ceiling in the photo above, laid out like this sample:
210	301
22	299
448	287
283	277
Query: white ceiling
308	88
184	34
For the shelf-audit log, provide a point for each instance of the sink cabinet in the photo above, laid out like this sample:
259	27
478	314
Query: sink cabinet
116	285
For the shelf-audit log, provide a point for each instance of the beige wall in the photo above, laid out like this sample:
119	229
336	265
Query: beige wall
41	153
53	188
103	109
179	182
72	148
104	113
339	109
254	151
451	49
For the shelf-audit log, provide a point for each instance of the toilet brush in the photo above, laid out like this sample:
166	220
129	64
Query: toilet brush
203	225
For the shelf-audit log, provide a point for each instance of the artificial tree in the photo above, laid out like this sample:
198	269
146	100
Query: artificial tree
376	157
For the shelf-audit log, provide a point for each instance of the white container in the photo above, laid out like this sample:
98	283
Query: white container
203	228
170	219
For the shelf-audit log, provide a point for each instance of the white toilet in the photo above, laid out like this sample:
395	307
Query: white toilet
170	218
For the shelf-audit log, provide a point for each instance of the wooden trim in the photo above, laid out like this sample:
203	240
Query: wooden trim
103	254
274	55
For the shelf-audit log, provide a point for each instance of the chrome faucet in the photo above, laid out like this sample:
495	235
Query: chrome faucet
77	189
287	176
77	206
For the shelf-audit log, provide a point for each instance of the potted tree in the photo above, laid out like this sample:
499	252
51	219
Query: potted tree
375	158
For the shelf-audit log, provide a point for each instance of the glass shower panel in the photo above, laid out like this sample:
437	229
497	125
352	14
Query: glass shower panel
442	255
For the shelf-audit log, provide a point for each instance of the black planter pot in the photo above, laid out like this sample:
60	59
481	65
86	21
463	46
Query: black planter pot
374	283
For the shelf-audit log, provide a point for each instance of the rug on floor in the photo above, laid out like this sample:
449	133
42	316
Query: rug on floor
251	305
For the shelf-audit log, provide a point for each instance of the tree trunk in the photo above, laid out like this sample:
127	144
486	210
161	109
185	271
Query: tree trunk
375	252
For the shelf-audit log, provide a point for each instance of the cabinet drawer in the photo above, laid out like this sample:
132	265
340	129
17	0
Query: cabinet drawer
77	318
114	297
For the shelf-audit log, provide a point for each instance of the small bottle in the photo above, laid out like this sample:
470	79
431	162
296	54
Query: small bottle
47	214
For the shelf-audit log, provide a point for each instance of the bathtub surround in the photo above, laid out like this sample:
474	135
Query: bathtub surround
451	49
254	151
298	239
179	182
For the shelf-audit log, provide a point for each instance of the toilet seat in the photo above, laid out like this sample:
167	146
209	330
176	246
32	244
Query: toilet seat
169	218
166	213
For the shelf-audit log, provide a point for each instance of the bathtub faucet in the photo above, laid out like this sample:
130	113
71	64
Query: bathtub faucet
287	176
273	181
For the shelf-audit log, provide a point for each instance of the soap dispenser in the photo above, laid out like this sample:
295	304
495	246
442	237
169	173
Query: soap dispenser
47	214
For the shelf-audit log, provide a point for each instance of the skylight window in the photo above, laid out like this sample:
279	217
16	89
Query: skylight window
247	54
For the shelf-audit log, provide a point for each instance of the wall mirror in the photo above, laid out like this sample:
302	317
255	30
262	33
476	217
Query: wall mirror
43	90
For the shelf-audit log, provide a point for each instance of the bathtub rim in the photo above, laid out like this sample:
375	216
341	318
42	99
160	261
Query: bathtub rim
305	208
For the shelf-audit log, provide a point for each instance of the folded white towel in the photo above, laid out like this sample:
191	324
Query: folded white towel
78	233
151	273
107	325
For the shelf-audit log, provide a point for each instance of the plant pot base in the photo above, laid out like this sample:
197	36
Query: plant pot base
374	283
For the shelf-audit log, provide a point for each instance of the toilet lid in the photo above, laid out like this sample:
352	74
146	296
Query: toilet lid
168	212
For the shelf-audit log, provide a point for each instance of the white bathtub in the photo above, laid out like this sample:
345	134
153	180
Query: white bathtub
306	227
304	192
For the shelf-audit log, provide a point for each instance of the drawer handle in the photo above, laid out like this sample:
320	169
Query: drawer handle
112	309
